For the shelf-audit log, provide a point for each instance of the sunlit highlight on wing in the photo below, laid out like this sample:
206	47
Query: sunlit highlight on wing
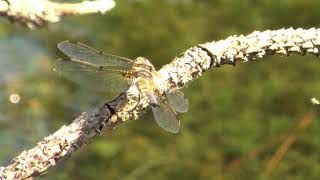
78	51
95	77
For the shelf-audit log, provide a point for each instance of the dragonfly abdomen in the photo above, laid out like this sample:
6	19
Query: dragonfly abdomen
147	90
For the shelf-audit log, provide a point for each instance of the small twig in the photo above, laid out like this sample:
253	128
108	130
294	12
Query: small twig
315	101
288	139
235	164
182	70
287	143
38	13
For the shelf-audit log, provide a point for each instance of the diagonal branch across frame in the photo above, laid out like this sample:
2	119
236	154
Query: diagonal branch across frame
183	69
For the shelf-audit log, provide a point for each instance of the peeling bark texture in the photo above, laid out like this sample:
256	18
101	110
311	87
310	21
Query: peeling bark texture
38	13
183	69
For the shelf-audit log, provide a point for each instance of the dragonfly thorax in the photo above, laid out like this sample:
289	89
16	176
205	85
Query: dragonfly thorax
143	67
145	79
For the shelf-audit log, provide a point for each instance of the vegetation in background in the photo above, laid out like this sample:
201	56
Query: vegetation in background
233	110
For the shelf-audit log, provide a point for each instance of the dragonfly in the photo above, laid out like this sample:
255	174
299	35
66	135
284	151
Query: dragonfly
95	69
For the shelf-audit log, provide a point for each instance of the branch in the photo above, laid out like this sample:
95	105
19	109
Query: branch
129	105
38	13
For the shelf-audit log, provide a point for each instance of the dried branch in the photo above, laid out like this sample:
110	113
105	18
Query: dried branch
196	60
38	13
183	69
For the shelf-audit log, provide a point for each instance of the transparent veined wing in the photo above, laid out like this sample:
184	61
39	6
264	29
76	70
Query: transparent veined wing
101	78
177	101
166	117
81	52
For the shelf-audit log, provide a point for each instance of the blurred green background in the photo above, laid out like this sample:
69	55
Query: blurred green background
237	114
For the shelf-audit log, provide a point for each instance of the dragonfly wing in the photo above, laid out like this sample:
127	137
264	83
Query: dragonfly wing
166	117
177	101
78	51
91	76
